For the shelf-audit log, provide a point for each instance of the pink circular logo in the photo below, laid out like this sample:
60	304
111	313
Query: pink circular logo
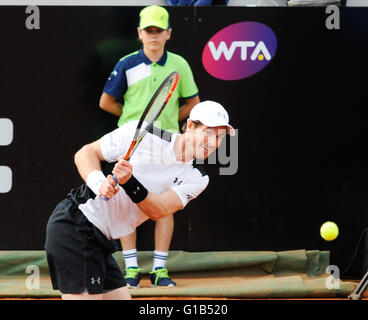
239	51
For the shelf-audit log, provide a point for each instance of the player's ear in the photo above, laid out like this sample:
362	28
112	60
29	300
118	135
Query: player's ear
139	31
190	125
168	34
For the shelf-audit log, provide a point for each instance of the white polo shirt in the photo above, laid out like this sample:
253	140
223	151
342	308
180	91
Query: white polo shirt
155	166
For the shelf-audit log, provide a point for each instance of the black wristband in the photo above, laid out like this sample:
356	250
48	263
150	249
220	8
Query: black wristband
135	190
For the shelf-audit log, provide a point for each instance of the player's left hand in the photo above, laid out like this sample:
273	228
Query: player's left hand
109	187
122	170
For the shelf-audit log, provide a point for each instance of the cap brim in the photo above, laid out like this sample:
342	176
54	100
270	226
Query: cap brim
229	130
152	25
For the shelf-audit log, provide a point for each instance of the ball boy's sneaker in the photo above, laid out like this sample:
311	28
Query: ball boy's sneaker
133	276
160	278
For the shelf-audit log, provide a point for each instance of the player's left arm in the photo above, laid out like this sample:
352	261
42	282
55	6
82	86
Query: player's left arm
185	109
154	206
175	198
159	206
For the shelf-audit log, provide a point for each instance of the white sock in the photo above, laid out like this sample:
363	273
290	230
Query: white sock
130	258
159	259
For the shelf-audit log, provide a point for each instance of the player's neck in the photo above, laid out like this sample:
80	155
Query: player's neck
155	55
183	148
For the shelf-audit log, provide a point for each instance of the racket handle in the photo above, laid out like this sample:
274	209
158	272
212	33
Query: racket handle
117	182
127	156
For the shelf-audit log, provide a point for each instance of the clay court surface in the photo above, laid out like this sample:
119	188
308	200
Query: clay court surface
145	284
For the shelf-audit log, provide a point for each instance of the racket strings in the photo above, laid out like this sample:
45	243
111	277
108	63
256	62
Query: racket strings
159	103
153	110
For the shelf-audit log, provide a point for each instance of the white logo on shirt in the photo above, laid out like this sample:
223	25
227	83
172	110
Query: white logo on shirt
93	280
114	73
178	182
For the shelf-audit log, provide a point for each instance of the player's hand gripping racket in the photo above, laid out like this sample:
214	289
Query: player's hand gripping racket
151	113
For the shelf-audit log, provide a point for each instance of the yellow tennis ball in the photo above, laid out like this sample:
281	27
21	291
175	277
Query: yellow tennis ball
329	231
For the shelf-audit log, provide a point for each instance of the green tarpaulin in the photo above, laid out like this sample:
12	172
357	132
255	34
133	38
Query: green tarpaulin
235	274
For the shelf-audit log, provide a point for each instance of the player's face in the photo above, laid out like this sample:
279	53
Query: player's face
206	140
153	38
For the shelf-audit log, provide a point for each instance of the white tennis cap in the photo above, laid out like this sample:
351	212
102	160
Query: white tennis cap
211	114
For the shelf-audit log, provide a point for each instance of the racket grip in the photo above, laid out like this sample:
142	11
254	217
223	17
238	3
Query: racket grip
115	179
117	182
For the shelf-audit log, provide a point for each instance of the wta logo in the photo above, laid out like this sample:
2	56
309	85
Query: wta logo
239	51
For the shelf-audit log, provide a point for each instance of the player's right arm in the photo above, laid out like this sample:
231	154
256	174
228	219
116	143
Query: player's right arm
88	161
109	148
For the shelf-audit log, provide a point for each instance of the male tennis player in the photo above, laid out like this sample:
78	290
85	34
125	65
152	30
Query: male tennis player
159	180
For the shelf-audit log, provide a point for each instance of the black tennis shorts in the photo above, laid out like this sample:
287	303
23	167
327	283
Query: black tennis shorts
78	254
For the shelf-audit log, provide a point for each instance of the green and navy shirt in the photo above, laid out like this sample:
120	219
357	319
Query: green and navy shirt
135	79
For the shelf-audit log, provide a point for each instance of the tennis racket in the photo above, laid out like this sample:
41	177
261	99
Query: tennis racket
151	113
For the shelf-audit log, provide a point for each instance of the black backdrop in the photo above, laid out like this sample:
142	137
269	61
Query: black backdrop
301	121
